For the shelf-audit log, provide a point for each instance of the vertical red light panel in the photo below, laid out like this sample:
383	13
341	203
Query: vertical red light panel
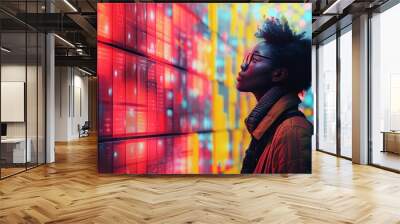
119	104
141	156
131	95
119	162
105	157
104	22
160	107
152	125
118	28
105	79
141	27
142	105
151	28
131	26
152	156
160	157
131	158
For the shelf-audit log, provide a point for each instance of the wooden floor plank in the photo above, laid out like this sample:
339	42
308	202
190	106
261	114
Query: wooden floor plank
71	191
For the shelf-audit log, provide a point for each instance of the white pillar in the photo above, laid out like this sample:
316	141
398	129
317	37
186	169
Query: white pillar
360	90
50	98
50	92
314	90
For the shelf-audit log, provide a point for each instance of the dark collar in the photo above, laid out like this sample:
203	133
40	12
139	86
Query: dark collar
264	104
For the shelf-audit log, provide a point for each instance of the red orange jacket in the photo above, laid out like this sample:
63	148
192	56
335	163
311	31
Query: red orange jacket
289	150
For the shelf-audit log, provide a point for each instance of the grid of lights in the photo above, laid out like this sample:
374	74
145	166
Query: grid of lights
167	97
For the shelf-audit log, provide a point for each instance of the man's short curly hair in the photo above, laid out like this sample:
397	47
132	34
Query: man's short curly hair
289	50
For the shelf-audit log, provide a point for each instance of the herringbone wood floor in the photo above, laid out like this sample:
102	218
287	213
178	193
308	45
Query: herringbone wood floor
71	191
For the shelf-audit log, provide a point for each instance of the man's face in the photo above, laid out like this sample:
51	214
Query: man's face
256	70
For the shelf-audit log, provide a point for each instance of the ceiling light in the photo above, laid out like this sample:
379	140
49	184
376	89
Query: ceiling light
70	5
337	7
84	71
65	41
5	50
326	11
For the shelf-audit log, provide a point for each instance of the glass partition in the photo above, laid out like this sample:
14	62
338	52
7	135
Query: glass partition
13	94
327	96
385	89
22	90
345	93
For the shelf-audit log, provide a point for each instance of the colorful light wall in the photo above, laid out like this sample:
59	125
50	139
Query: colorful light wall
167	97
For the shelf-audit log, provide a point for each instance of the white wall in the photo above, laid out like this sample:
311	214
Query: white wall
71	94
62	82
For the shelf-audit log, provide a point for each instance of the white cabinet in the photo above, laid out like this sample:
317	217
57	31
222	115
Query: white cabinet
16	147
391	142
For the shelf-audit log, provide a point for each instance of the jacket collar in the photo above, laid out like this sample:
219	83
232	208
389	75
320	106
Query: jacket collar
264	104
283	104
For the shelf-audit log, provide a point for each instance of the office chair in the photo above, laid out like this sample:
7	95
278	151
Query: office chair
84	130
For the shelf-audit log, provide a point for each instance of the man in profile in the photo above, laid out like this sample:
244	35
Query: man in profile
276	71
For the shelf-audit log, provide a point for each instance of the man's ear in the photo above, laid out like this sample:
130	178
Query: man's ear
280	74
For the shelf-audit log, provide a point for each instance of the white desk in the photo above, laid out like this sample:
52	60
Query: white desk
17	145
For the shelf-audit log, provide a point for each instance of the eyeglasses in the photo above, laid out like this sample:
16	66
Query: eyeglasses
249	57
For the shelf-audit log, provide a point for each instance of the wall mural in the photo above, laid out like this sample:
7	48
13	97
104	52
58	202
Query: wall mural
167	97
